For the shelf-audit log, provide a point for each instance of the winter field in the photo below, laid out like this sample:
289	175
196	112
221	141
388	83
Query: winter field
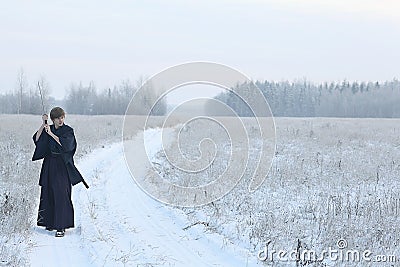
332	182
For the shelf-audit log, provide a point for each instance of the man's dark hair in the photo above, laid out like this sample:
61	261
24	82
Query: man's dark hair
57	112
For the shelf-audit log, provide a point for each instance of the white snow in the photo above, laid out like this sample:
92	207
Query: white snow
117	224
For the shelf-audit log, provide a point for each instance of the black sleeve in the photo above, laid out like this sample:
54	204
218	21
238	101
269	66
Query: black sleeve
41	146
34	137
67	140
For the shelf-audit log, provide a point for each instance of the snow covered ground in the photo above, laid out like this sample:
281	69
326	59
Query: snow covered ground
332	179
117	224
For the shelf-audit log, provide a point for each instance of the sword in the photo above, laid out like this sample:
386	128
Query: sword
41	97
85	184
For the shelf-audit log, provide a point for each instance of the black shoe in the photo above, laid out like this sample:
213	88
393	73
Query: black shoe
60	233
49	229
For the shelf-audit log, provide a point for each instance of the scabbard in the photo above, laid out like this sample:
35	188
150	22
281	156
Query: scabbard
86	185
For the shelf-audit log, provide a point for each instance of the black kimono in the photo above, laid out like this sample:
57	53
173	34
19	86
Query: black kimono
56	176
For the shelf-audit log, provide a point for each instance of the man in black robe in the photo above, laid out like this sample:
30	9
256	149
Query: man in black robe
56	146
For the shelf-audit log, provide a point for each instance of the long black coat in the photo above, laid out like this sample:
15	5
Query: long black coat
68	147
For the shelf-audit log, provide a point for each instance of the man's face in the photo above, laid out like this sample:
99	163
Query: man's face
59	121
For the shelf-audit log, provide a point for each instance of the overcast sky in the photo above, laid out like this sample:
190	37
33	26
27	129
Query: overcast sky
109	41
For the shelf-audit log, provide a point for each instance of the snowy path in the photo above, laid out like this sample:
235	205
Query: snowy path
117	224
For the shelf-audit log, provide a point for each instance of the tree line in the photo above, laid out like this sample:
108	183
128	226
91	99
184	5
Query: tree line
286	99
87	100
25	99
79	99
335	99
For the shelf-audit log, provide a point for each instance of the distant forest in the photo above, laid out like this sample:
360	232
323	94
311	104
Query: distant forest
340	99
286	99
79	99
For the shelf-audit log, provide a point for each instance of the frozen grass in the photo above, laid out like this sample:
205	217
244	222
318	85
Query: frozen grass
331	179
19	189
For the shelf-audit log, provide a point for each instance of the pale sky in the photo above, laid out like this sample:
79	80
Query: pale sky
110	41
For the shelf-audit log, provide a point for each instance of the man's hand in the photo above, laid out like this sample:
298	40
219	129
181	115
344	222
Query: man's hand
44	118
47	128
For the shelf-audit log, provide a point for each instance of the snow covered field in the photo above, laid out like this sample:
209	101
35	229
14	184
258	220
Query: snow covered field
118	224
331	180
